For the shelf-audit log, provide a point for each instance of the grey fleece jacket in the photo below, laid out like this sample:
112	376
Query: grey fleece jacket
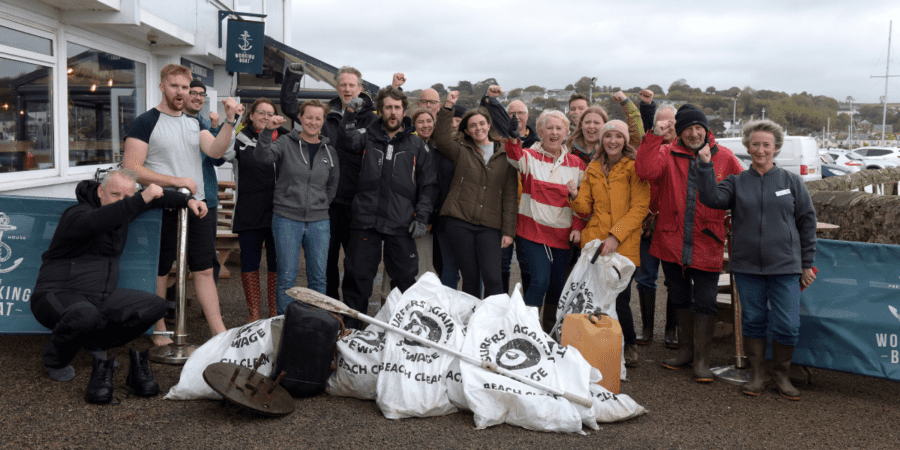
774	222
302	193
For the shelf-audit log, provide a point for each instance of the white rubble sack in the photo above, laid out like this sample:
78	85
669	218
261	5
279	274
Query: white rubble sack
594	287
359	358
505	331
609	407
241	345
410	382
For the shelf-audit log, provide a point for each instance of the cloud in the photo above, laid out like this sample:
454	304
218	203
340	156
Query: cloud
825	48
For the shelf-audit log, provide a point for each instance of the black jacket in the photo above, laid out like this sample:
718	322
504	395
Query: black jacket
256	184
85	249
397	181
348	161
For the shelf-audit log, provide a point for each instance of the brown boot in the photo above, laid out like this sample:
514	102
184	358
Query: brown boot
756	355
271	290
251	291
781	370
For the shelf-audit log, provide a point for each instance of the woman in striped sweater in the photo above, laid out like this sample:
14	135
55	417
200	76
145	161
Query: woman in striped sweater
546	224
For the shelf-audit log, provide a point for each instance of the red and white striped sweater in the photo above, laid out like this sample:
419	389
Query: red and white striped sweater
544	213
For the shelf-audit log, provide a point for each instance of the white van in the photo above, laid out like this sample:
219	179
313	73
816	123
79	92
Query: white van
799	154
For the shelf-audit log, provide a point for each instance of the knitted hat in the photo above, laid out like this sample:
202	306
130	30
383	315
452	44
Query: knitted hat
459	111
615	125
689	115
198	83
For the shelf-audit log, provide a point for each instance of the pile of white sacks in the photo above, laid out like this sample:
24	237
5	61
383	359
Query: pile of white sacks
407	379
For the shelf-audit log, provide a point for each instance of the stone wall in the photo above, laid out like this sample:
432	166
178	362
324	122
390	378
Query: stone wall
862	217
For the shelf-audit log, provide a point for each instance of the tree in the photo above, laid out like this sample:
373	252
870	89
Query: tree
717	126
480	88
634	90
515	93
711	90
584	85
657	89
534	88
570	87
442	92
464	87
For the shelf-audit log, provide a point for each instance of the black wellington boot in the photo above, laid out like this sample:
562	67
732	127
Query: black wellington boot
671	327
139	379
756	355
685	338
100	387
781	370
703	331
648	311
548	318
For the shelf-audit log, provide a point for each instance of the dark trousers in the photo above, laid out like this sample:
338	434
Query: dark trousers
476	250
626	318
339	216
95	323
364	252
692	288
523	265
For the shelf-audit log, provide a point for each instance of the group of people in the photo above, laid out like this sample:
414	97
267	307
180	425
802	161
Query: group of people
371	179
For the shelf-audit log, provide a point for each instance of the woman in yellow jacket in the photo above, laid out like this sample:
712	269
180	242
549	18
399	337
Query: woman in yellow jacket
616	200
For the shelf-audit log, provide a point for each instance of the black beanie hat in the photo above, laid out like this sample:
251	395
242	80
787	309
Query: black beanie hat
198	83
458	111
689	115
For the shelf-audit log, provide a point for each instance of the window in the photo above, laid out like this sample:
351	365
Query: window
25	41
26	120
105	94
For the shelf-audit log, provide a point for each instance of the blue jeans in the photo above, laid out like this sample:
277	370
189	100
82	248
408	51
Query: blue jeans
290	235
548	267
778	293
647	273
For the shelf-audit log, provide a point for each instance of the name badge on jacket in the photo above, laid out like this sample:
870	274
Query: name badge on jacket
390	152
782	192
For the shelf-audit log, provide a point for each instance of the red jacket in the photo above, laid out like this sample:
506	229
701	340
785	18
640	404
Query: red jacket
674	169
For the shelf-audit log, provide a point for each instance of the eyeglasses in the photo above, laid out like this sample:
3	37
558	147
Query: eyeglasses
264	113
429	102
195	94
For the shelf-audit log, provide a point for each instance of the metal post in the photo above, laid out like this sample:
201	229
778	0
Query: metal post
736	373
178	351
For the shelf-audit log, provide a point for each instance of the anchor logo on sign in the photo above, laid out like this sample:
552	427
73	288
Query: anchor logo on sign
246	45
5	250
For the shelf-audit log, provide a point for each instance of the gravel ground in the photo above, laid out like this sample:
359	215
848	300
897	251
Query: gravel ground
838	410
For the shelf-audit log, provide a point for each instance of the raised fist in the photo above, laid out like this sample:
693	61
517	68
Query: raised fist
646	96
619	96
704	154
398	80
275	122
213	119
494	91
232	107
355	105
452	97
664	127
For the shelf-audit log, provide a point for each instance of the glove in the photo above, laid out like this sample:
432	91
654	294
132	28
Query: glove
356	104
417	229
293	73
514	128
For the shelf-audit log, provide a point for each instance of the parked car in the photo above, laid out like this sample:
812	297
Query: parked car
879	160
887	153
830	168
799	154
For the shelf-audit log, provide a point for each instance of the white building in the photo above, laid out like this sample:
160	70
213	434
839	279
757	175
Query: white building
75	73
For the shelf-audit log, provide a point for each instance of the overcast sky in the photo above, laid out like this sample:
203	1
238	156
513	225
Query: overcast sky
822	47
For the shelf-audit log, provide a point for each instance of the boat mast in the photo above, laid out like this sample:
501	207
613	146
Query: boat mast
887	77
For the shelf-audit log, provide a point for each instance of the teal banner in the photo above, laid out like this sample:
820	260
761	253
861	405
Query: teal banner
27	225
244	49
849	319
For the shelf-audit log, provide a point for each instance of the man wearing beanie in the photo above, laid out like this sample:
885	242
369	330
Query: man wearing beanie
690	238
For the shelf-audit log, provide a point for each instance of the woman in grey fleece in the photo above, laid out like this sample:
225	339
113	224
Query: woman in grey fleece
773	251
306	179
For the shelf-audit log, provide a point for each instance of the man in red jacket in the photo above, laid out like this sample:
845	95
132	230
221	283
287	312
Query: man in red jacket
689	237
